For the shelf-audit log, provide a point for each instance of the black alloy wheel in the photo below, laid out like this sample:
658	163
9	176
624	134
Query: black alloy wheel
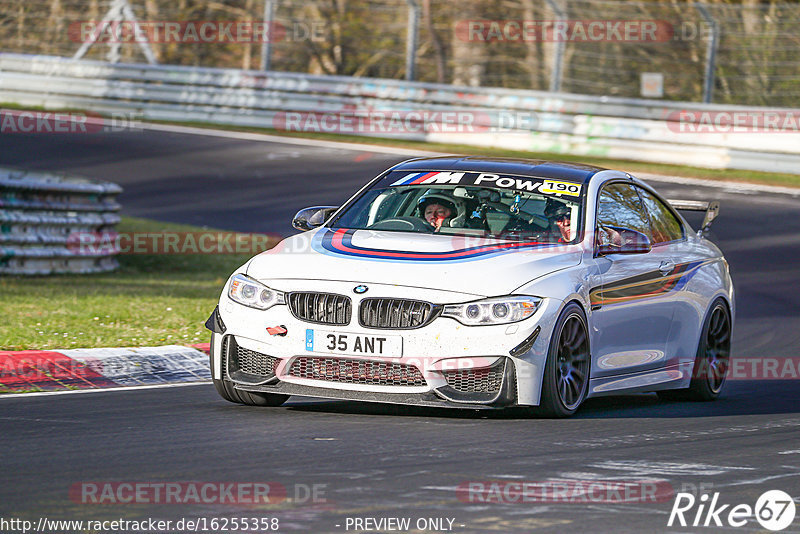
566	375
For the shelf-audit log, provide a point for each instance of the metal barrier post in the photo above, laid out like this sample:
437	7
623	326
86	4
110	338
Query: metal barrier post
120	11
266	45
558	51
411	39
711	54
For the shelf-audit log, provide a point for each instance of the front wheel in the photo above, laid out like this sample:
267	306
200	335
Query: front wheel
229	393
566	373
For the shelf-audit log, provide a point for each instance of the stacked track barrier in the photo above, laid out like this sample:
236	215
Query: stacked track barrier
624	128
42	213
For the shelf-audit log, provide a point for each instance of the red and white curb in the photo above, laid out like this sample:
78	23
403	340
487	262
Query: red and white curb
79	369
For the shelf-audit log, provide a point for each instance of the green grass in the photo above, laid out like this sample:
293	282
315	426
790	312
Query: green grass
150	300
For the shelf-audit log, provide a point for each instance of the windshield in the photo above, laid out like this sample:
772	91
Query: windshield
474	204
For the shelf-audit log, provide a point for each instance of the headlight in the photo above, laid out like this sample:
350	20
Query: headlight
248	292
496	310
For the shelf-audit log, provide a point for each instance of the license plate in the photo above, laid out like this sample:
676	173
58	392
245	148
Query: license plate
353	344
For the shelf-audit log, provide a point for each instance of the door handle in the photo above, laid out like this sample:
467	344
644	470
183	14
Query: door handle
666	267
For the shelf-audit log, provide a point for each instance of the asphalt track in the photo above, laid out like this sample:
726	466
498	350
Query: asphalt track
385	461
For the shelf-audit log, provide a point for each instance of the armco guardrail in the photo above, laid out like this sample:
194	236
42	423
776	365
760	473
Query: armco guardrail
645	130
41	214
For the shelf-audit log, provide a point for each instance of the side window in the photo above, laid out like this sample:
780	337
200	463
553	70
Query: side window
666	227
619	205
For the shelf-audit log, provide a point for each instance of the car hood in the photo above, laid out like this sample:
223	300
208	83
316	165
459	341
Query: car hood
479	266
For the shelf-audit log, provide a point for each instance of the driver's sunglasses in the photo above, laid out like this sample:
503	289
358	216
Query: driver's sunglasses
562	217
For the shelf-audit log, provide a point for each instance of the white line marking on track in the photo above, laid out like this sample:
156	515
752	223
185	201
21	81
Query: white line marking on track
644	467
440	488
734	187
40	420
267	138
759	480
677	435
101	390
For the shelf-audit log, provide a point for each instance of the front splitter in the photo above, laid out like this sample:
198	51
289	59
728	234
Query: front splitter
416	399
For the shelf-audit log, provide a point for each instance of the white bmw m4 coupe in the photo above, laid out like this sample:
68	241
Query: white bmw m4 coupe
481	283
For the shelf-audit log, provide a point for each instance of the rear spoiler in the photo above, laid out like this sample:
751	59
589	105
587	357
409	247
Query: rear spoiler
711	208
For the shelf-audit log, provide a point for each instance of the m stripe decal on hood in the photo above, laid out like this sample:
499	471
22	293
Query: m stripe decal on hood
340	242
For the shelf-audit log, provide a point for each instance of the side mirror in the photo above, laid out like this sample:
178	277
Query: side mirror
314	217
614	240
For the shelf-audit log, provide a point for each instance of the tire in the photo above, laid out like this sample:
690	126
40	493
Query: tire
229	393
712	359
566	373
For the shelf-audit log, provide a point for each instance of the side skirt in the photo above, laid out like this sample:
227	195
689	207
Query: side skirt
672	377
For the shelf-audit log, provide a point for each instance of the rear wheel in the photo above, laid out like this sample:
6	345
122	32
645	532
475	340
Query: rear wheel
712	360
566	373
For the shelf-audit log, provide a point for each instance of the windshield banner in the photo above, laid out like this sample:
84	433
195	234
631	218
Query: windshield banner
485	179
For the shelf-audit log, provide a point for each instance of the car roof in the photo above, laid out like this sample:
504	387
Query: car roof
573	172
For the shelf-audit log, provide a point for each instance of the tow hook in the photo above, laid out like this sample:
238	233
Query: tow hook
276	330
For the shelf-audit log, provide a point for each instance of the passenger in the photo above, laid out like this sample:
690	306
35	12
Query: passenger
561	215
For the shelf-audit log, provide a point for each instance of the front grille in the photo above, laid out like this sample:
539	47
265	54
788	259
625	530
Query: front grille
396	313
242	360
322	308
349	371
486	380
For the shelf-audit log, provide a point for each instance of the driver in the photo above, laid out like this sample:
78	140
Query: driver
437	210
560	214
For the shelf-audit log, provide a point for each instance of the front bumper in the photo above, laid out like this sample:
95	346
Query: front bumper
435	398
344	377
454	360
